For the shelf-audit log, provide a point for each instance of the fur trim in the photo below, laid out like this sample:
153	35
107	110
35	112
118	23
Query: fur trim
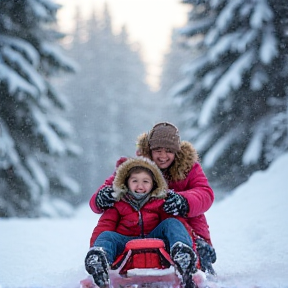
121	173
184	159
143	148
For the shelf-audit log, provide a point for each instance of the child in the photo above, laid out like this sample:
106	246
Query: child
140	189
191	194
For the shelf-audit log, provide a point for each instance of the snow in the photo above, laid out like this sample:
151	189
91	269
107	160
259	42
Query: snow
30	72
253	151
232	79
20	45
217	149
269	46
227	15
261	14
249	232
16	82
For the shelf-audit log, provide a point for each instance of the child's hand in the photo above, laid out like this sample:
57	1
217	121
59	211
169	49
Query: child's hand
175	204
104	198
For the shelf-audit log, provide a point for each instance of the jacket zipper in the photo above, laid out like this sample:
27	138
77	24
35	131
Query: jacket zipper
141	224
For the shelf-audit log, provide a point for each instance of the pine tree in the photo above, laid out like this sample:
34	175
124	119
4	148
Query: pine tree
34	136
236	88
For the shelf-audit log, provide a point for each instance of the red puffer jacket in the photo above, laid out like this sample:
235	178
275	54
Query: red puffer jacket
124	219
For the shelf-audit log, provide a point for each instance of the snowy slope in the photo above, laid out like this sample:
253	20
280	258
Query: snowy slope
249	231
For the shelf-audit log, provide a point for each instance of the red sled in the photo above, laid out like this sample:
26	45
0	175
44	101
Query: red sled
143	264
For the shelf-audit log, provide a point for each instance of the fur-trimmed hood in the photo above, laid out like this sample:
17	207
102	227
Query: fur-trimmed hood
184	159
119	186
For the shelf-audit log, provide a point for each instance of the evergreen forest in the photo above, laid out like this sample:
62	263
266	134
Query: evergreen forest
72	105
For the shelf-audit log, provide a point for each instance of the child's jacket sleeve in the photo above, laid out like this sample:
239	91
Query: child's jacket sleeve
107	222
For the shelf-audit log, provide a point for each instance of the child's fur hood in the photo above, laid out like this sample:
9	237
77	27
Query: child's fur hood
184	159
119	186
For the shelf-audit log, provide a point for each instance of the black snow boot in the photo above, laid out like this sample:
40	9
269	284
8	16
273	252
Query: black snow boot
185	260
96	265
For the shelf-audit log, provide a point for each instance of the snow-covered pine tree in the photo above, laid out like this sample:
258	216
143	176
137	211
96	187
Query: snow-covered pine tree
236	89
34	136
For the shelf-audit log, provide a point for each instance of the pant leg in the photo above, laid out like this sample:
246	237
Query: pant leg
171	231
112	243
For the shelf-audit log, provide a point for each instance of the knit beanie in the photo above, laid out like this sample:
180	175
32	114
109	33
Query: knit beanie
164	135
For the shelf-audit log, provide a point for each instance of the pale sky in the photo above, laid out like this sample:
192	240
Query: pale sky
148	22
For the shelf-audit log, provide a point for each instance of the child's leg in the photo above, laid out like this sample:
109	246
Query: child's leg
180	243
98	259
112	243
172	231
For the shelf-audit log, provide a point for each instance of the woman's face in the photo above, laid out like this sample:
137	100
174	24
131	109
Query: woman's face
140	182
163	157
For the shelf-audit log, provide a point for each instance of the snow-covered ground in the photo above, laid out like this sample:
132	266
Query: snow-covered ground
249	231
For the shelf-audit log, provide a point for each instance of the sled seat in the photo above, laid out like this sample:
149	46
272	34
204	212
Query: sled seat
143	253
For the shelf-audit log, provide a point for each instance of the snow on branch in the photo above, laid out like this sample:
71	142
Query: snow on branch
197	64
54	52
203	140
37	172
232	79
235	42
61	125
52	140
218	148
22	46
262	13
8	154
15	82
211	77
32	75
258	80
254	149
44	9
181	87
227	15
196	27
268	48
223	45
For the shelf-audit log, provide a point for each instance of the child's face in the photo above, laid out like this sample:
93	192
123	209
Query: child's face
140	182
163	157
